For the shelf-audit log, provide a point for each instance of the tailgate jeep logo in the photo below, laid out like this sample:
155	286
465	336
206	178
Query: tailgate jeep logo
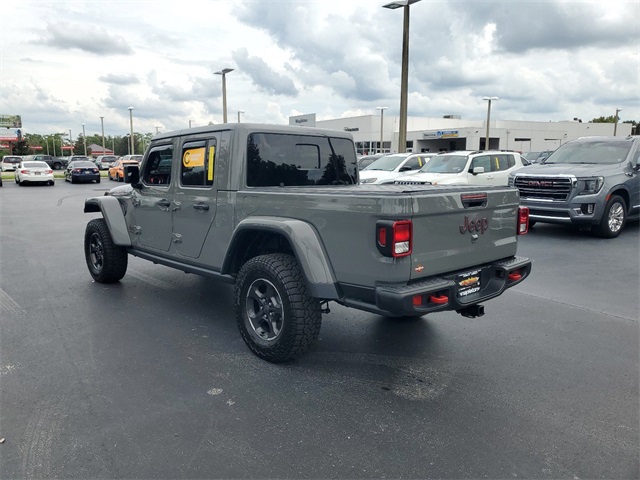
477	225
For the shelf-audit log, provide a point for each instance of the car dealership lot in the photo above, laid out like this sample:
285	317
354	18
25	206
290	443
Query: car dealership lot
150	377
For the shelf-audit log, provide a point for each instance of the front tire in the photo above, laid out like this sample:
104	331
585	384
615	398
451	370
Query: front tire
106	261
278	319
613	219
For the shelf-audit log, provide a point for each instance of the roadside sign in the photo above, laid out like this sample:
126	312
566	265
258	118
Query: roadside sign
10	121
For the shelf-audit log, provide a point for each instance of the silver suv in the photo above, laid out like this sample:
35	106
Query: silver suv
591	181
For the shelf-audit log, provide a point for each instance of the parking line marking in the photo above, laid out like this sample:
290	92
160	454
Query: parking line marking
149	279
8	304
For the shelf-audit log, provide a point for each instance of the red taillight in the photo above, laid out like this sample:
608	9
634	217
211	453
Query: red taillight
394	238
77	170
24	171
49	172
402	238
523	220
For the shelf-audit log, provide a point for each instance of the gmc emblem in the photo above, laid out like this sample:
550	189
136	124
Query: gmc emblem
477	225
540	183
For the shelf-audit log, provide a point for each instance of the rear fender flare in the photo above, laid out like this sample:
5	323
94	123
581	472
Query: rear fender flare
113	215
306	245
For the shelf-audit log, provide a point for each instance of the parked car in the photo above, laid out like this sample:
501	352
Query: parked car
491	167
104	162
56	163
392	166
9	163
137	158
367	160
536	157
591	182
82	171
33	172
116	171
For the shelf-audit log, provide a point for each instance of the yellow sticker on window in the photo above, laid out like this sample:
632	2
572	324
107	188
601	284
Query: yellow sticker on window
193	157
212	155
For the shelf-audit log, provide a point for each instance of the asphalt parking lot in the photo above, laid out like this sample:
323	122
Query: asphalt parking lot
149	378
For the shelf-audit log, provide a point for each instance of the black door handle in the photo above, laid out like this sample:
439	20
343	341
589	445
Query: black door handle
201	206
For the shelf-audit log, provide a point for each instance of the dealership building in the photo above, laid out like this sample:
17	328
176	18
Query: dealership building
453	133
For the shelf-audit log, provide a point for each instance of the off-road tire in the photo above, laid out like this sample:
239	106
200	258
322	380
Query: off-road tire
273	287
613	218
106	261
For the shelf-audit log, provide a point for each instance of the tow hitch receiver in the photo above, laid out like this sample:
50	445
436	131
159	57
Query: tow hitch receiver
472	311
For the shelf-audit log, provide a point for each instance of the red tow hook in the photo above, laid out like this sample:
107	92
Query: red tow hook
515	276
439	300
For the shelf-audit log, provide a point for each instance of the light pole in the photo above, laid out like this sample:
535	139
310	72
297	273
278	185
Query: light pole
189	123
131	127
70	144
224	72
84	140
102	125
239	112
404	82
615	124
489	99
382	109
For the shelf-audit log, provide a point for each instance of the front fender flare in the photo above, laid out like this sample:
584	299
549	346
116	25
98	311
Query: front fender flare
307	247
113	215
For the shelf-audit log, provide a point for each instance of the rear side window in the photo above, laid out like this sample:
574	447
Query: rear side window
275	159
198	163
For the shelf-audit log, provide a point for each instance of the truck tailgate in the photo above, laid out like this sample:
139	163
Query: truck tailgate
458	227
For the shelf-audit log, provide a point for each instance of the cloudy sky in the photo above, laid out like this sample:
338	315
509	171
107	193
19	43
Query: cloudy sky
65	63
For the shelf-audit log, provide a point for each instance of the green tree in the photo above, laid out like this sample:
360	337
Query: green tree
20	148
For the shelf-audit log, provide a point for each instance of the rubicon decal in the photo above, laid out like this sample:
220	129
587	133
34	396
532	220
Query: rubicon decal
474	225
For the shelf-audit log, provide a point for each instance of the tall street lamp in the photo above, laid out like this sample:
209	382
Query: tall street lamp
224	72
486	139
102	125
615	123
404	82
84	140
239	112
382	109
131	127
70	143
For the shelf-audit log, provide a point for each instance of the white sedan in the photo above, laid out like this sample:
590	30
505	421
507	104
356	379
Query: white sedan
33	172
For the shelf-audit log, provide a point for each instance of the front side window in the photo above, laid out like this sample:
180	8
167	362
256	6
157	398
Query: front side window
275	159
157	170
198	163
484	161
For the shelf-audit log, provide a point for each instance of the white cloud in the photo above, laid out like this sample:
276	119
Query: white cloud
546	60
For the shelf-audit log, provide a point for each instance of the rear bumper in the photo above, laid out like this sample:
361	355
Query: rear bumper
446	292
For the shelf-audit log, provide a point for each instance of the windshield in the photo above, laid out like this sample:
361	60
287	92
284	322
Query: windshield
387	163
11	159
82	164
597	152
445	164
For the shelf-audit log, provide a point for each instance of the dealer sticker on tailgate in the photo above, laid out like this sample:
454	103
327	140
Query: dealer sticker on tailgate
468	283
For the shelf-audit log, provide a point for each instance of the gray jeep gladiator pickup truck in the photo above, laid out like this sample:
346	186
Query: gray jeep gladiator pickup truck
591	182
278	212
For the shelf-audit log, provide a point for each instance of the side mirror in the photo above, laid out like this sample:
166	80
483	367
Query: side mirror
405	168
477	170
132	175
